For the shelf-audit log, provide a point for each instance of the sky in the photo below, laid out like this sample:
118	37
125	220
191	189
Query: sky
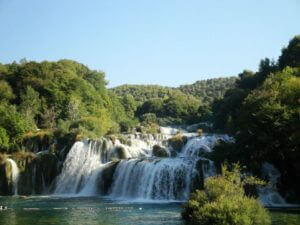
166	42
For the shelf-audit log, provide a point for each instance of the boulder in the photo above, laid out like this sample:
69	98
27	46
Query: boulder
105	179
177	142
159	151
121	152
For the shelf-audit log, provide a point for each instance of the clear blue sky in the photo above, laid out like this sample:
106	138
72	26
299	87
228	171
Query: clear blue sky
168	42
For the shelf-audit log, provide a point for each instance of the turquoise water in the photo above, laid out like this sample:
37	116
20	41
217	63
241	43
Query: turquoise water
80	211
100	211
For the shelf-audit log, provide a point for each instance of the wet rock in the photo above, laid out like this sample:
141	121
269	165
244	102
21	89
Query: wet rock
37	171
121	152
105	179
197	181
177	142
159	151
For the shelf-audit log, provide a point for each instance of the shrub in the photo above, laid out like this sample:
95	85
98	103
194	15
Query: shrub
223	202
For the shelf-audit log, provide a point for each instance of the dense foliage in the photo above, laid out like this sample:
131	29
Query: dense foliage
158	104
210	89
142	93
263	114
223	202
63	95
177	109
184	105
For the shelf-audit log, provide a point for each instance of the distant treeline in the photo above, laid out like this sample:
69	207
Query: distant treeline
205	90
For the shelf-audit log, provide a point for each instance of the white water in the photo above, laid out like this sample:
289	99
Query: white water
141	176
269	195
161	179
197	145
14	175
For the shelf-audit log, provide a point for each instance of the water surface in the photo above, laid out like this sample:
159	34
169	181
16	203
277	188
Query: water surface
100	211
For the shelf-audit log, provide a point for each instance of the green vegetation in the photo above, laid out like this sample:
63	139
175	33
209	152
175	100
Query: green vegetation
168	106
209	90
263	114
157	104
142	93
65	98
223	202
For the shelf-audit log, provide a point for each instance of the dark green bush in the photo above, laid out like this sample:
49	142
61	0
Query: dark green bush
223	202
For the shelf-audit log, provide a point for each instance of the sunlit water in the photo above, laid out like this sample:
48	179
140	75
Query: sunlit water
100	211
80	211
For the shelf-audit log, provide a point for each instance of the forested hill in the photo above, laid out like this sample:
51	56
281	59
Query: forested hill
142	93
205	90
210	89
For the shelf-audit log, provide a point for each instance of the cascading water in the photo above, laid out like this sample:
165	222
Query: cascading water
198	145
94	165
14	176
154	178
269	195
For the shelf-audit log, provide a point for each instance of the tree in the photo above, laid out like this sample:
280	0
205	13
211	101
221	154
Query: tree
130	105
74	108
6	92
30	103
12	121
291	55
4	139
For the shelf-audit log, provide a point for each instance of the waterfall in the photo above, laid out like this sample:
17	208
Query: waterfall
161	179
14	176
126	169
81	161
198	145
33	179
269	195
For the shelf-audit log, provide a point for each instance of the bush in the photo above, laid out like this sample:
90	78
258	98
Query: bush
223	202
149	118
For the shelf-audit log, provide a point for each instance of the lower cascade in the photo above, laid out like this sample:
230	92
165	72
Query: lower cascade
132	170
269	195
137	167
